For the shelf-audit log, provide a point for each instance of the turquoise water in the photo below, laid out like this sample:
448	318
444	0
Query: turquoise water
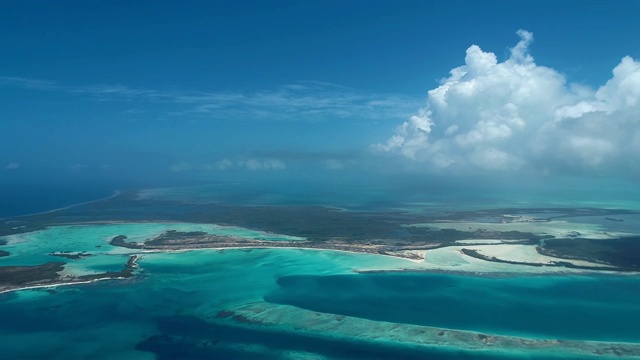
35	248
176	297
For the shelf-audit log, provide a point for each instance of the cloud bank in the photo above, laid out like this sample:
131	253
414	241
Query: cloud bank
516	115
252	164
263	164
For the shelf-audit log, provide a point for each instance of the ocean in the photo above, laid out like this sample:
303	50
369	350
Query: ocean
29	199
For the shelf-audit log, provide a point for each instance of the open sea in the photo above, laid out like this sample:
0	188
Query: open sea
297	304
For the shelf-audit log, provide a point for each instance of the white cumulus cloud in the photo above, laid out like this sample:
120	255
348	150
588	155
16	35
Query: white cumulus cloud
515	114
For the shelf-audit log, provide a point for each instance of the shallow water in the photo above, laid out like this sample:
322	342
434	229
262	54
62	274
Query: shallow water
178	294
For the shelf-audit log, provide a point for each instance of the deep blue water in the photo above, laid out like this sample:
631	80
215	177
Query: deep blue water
22	199
555	307
35	192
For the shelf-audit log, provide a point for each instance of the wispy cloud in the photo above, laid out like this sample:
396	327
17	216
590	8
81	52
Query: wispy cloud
308	101
181	167
92	90
11	166
33	84
338	164
224	164
263	164
252	164
78	167
303	101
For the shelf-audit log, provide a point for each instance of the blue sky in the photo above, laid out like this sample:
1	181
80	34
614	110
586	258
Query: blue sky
224	89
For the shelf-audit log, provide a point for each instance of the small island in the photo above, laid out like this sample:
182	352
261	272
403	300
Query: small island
48	275
71	255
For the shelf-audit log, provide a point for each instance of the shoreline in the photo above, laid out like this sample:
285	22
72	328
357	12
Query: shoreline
243	243
65	283
553	271
221	249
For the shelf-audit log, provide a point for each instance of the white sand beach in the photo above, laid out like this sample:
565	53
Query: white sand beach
453	259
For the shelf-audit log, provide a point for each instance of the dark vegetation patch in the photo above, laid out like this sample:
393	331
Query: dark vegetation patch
24	275
541	214
15	277
476	254
71	255
120	241
621	252
177	238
